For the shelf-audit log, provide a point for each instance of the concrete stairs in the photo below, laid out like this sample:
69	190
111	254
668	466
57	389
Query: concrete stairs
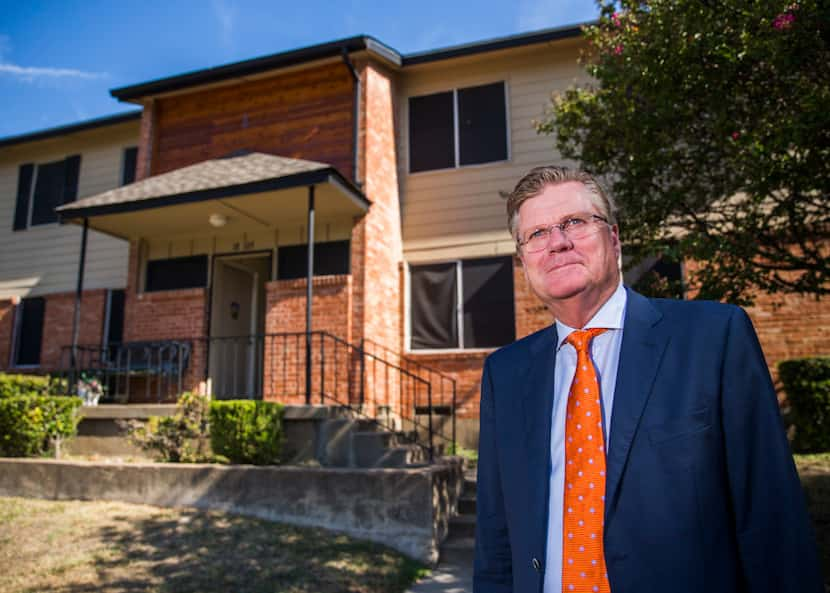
362	443
460	543
329	436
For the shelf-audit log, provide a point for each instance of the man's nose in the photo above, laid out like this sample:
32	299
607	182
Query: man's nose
558	240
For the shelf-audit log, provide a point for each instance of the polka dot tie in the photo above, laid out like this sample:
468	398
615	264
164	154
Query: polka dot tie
583	561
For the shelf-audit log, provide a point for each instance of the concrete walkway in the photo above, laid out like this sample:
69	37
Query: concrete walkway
454	574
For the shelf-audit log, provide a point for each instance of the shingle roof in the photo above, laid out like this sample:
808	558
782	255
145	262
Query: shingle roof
235	175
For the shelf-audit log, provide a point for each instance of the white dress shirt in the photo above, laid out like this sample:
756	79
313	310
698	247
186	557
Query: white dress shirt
605	352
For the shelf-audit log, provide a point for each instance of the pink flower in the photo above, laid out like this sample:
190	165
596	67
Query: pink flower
615	18
736	135
618	50
783	21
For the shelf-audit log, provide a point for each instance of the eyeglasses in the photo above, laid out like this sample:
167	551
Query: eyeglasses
575	228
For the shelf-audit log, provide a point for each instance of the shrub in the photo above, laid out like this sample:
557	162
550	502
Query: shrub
807	385
178	438
247	431
20	385
31	424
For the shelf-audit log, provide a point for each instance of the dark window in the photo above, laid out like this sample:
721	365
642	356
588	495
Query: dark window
480	128
24	191
176	273
433	310
482	125
29	331
331	257
128	165
489	318
55	184
115	320
431	132
486	312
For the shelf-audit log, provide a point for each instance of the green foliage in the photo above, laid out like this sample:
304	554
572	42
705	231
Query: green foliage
20	385
247	431
807	385
709	122
178	438
31	424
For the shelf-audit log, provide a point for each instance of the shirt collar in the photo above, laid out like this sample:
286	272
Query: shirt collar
610	316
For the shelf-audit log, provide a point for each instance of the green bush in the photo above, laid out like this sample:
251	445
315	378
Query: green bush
31	424
20	385
807	385
247	431
178	438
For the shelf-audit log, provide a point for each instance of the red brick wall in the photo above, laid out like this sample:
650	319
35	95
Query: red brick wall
378	234
146	141
284	357
6	330
57	324
791	326
531	314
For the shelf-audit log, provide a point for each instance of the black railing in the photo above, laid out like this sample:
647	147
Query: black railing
315	368
157	368
444	387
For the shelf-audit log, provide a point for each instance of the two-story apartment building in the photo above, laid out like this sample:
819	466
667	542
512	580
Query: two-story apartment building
199	208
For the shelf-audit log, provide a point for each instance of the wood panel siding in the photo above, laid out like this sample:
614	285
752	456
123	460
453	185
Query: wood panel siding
450	208
44	259
303	114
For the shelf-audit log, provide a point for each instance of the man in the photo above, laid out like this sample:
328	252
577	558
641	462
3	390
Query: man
635	445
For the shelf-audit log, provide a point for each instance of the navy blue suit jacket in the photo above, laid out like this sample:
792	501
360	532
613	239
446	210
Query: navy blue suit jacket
702	495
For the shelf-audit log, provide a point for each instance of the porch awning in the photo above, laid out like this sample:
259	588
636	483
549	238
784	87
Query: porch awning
263	190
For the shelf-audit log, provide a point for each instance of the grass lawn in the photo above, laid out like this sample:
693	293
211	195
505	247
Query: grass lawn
109	547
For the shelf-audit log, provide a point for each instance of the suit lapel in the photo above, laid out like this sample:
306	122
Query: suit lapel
537	402
643	344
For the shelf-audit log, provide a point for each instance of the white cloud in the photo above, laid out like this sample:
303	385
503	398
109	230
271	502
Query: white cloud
225	13
30	73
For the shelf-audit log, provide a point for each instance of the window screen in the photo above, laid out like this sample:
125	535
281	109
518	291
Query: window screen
176	273
24	190
482	124
431	132
128	165
433	300
487	286
115	325
30	331
330	257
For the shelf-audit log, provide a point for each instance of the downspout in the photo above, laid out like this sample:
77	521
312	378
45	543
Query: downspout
355	113
76	318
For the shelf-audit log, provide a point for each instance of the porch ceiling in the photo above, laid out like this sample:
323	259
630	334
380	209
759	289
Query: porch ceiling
253	192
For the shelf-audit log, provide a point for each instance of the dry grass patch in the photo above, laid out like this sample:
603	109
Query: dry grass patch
109	547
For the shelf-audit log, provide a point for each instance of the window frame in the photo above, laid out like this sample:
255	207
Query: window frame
17	328
30	200
459	313
456	129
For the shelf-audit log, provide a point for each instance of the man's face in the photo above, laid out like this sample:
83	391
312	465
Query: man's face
585	269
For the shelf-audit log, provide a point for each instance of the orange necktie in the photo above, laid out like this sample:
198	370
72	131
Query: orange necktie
583	561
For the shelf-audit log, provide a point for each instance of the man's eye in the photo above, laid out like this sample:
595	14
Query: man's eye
536	234
574	222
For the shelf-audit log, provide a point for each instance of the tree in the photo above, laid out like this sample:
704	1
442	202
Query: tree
710	122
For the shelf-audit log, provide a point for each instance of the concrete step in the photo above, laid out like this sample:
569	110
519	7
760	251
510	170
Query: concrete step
369	447
457	542
463	526
402	456
467	505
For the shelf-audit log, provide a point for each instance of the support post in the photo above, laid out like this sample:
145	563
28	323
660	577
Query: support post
76	319
309	294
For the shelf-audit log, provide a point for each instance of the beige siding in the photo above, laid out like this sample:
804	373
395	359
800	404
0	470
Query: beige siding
461	211
44	259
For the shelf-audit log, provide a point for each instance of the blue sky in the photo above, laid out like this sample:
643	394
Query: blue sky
60	58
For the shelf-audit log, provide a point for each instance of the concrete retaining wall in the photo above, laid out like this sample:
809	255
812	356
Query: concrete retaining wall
406	509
